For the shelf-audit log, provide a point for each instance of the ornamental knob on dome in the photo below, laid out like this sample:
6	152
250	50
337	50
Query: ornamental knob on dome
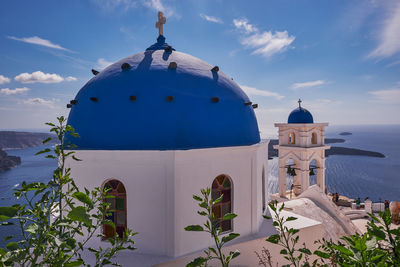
300	115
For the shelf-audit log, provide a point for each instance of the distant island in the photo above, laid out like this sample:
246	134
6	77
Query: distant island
345	133
8	162
335	150
18	140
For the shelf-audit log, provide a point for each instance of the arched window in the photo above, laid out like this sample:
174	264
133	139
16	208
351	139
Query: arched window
117	208
314	138
292	138
222	185
264	206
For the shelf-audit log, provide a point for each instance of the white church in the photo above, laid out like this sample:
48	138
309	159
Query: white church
158	126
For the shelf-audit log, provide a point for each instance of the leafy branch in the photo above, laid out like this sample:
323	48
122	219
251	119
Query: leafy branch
212	226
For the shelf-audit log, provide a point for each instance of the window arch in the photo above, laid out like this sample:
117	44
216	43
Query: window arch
314	138
292	138
117	208
222	185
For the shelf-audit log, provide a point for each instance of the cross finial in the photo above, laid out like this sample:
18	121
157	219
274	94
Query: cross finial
299	102
160	23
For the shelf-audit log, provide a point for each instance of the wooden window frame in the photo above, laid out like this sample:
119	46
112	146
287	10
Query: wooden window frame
120	195
219	189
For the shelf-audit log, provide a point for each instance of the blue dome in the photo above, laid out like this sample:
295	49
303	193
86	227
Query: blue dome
300	115
151	106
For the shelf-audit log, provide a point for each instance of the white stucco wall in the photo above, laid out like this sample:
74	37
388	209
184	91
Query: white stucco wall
160	185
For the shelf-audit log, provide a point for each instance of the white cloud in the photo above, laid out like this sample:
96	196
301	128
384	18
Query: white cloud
389	41
39	41
39	77
254	91
307	84
4	79
102	63
158	5
243	24
39	102
7	91
211	18
265	43
391	96
71	79
111	5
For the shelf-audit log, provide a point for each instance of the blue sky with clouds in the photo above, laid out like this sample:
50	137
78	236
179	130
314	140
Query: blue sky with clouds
341	57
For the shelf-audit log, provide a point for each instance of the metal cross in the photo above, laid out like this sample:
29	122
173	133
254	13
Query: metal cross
160	23
299	102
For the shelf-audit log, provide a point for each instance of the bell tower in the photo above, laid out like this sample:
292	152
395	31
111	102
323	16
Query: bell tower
301	151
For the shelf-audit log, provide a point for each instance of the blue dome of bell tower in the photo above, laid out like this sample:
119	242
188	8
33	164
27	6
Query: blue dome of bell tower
300	115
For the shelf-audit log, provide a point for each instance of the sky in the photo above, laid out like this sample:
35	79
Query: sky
342	57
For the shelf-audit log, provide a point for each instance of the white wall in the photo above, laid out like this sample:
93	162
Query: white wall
147	176
196	169
160	186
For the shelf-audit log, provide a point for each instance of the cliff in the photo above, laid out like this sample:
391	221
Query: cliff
16	140
8	162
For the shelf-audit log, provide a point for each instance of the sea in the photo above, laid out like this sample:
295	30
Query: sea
352	176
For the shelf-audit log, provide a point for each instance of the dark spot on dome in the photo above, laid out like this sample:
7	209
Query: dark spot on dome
132	98
248	103
95	72
170	98
69	106
94	99
215	69
125	66
215	99
255	105
168	49
172	65
73	102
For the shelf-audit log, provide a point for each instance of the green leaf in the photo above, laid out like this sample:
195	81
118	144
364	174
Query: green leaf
288	219
43	151
322	254
235	254
76	159
82	197
46	140
229	216
267	217
196	228
273	239
379	234
32	228
7	213
8	237
283	252
305	250
74	263
79	214
197	262
197	198
218	200
229	237
343	250
202	213
12	246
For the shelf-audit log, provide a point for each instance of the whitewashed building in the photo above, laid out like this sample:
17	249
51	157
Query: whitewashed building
158	126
